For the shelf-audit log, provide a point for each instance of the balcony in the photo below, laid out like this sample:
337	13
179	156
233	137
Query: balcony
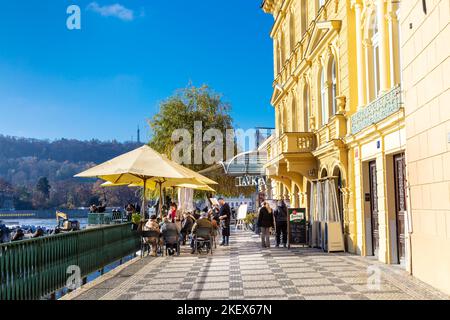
291	143
335	129
386	105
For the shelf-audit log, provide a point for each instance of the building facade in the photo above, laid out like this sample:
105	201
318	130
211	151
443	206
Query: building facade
314	93
426	65
376	134
339	116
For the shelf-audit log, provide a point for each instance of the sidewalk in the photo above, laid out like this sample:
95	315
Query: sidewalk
245	271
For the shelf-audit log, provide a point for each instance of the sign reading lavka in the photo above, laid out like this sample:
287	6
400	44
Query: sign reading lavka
251	181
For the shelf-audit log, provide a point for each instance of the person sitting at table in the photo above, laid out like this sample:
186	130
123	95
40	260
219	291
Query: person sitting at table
170	231
203	222
186	226
152	225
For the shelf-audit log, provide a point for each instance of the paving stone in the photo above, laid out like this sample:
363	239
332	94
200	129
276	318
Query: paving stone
245	271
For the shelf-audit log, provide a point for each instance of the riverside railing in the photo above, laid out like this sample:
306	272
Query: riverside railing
106	218
32	269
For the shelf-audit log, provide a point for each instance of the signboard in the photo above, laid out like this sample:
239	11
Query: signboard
297	233
251	181
214	201
297	215
242	212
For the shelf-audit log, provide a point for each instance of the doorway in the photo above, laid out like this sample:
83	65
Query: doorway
339	184
400	204
374	207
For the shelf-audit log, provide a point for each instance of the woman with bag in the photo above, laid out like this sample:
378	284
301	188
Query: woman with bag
265	222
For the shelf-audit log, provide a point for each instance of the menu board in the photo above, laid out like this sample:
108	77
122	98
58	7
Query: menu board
297	226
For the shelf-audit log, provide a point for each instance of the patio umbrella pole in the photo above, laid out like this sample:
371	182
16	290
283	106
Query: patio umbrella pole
160	200
143	200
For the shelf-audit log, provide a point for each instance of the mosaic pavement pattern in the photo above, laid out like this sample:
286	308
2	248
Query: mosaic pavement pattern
246	271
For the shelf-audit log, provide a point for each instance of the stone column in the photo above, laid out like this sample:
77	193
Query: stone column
394	40
360	57
383	45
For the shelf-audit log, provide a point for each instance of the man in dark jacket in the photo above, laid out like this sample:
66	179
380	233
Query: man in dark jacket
265	222
186	226
225	218
281	216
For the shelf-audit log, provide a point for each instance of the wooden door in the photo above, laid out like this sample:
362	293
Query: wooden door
400	203
374	207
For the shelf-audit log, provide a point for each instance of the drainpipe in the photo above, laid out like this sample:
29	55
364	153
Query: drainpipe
410	229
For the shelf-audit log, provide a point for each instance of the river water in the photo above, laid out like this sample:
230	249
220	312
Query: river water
41	218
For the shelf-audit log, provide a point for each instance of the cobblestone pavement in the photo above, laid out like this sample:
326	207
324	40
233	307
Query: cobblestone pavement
246	271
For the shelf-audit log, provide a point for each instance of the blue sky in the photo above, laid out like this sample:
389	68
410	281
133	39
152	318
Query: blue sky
107	78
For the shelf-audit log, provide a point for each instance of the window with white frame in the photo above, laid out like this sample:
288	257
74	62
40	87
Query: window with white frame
376	58
323	98
306	109
320	4
292	31
333	87
293	126
304	16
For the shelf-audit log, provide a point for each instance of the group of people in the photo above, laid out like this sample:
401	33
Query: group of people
175	228
269	219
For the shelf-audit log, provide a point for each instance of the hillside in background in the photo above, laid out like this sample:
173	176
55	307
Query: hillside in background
23	162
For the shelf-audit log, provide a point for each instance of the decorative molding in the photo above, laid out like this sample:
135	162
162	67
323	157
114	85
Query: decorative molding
378	110
341	103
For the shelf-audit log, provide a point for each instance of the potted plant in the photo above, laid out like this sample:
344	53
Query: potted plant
136	220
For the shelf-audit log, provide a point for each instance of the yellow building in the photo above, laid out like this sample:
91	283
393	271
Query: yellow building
314	93
425	55
376	135
339	117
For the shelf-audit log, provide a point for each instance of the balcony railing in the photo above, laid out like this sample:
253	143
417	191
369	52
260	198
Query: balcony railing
32	269
378	110
291	142
335	129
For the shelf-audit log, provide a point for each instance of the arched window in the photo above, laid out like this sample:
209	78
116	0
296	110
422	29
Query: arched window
323	98
320	4
306	109
376	57
277	57
292	31
285	120
294	113
304	16
278	126
333	87
373	58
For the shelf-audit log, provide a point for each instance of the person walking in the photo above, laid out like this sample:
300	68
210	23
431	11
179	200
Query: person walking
225	218
265	222
281	216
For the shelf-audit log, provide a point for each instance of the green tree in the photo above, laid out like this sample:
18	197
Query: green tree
181	111
43	186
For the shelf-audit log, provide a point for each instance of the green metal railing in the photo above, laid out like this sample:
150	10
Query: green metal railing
106	218
32	269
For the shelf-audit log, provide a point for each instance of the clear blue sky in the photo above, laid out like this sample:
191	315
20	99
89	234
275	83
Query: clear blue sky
104	80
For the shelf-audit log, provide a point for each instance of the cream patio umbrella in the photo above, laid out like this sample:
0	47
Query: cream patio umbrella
144	166
201	187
